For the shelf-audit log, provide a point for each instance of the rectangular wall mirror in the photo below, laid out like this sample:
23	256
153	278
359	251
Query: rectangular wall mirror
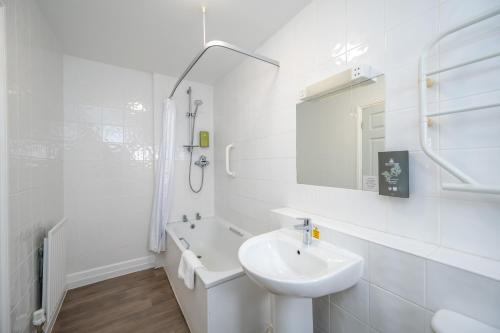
339	136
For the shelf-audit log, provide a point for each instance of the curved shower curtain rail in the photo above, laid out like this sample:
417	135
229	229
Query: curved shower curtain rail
224	45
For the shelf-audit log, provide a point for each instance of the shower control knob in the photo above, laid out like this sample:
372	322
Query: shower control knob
202	161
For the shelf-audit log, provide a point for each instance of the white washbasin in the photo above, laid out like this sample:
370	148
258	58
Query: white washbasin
280	262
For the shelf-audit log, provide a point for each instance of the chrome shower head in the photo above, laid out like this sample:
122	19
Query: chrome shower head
197	103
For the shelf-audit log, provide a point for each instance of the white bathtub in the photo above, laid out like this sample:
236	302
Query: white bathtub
224	299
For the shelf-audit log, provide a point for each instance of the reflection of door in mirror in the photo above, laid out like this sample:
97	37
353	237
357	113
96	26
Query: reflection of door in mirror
372	142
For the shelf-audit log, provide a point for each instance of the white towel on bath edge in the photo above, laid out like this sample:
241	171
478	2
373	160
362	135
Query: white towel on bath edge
187	267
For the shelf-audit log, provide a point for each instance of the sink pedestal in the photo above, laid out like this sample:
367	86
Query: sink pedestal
295	273
292	314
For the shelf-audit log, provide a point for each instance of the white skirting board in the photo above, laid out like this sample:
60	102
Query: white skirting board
80	279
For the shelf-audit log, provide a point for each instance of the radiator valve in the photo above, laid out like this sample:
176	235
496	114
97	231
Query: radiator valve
39	317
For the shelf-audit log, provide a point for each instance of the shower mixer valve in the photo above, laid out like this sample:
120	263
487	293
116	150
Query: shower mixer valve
202	162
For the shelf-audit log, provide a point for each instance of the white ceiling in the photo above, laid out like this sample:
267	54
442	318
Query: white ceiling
163	36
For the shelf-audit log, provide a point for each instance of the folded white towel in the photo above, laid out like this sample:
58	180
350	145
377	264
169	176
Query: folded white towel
187	267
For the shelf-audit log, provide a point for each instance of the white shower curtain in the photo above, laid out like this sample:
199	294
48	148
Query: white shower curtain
164	179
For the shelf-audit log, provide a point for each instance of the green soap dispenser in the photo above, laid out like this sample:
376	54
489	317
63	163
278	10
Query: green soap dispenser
204	139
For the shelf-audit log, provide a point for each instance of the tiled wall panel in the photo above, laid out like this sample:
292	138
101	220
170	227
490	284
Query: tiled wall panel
35	115
108	162
112	118
255	110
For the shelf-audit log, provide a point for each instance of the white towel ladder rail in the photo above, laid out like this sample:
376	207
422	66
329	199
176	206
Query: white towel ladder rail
468	183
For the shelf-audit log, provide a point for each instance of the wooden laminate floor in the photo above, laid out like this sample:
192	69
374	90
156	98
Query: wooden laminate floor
141	302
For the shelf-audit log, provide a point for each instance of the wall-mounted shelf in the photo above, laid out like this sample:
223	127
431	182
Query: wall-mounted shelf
425	81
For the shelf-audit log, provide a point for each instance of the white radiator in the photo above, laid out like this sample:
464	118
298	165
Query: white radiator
54	272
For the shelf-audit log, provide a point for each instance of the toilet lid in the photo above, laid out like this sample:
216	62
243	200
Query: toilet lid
446	321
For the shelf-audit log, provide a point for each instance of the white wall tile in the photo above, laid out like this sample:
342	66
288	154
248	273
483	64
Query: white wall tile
423	175
35	115
479	164
417	218
343	322
303	28
402	87
331	25
401	132
354	300
392	314
343	205
398	272
453	12
470	226
403	50
471	80
463	292
370	52
471	129
365	18
401	11
321	318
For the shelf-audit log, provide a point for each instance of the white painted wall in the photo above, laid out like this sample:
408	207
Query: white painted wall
111	115
35	116
255	110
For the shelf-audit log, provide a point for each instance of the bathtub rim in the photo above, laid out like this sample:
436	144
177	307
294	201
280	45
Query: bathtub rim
209	278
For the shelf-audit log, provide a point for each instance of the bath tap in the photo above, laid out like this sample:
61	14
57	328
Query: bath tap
185	218
198	216
306	227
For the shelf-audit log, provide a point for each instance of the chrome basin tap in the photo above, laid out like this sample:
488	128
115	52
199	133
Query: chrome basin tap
306	227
